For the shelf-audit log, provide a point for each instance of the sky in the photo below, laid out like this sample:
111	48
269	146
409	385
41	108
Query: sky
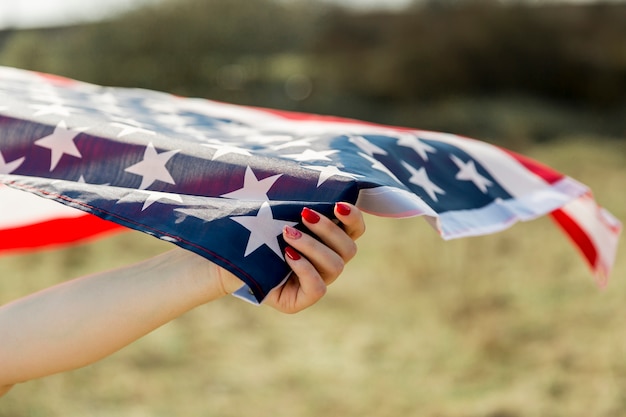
38	13
34	13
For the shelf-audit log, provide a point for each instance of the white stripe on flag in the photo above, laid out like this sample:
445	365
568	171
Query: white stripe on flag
20	208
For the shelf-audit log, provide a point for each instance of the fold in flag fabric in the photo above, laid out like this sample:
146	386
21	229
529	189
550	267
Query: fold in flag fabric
223	180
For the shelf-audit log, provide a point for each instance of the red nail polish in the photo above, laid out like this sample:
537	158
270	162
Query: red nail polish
310	216
292	233
343	209
292	253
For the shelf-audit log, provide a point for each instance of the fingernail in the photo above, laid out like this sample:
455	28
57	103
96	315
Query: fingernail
292	233
310	216
343	209
292	253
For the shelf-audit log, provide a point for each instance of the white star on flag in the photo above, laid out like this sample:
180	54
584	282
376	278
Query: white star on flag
125	121
329	171
253	188
110	108
237	131
104	98
420	178
311	155
8	167
173	120
46	95
293	144
367	146
152	167
128	129
264	230
56	109
160	106
43	92
82	180
154	196
223	149
376	164
413	142
468	172
264	140
61	142
151	197
107	102
197	134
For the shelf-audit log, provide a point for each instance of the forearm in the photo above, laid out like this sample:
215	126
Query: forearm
81	321
84	320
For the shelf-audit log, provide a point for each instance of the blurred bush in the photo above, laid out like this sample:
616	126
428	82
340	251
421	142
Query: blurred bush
481	68
567	52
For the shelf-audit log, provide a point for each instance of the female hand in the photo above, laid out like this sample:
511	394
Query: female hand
315	263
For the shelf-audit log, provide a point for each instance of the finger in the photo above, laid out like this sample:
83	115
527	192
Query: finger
351	218
331	234
327	263
308	282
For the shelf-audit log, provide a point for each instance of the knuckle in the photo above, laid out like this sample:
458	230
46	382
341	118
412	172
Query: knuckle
360	230
319	290
292	310
355	231
336	267
350	251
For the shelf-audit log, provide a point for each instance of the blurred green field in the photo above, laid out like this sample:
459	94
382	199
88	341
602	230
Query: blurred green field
507	325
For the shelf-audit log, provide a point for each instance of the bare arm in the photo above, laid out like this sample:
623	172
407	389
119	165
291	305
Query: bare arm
81	321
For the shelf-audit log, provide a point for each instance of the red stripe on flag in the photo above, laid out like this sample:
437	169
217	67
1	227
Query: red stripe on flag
578	235
546	173
56	232
57	79
294	115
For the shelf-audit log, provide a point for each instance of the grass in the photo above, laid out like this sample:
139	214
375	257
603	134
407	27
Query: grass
507	325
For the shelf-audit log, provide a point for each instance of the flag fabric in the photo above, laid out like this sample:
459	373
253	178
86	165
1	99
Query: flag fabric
223	180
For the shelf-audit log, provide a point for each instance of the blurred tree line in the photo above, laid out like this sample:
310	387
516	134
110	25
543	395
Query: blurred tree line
512	73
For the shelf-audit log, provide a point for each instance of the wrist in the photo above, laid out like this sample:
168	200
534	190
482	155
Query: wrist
229	283
208	280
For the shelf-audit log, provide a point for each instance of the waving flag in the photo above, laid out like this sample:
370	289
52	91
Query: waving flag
223	180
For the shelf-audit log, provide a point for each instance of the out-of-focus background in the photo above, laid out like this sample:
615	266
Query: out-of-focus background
508	325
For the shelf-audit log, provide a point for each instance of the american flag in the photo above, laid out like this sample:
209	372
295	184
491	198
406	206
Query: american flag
222	180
